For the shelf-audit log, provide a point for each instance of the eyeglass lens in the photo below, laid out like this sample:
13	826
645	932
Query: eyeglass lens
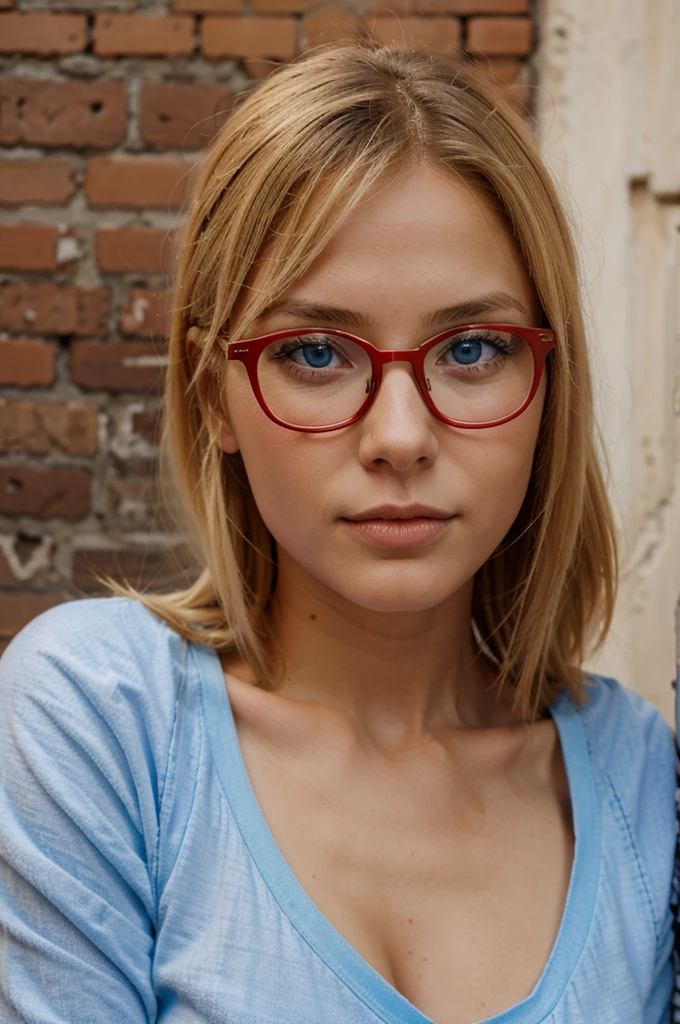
316	379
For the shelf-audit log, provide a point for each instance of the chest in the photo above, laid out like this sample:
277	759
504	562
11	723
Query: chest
452	890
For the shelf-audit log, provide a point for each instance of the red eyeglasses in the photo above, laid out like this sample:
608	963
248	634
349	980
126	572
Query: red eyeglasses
479	375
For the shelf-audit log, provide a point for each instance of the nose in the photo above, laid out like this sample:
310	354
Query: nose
398	429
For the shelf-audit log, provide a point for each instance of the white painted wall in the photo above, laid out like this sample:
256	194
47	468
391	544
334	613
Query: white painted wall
608	110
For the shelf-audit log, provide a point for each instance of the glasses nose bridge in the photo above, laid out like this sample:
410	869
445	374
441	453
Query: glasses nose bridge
410	356
403	355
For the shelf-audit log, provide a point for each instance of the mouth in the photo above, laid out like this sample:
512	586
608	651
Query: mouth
400	527
397	513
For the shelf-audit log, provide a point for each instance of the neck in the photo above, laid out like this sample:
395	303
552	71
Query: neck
396	676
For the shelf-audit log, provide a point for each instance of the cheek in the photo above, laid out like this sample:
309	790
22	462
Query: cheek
497	466
287	470
287	480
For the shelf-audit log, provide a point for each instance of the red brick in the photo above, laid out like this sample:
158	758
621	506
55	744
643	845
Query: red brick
92	310
26	491
501	69
143	34
209	6
112	181
471	7
148	425
42	34
330	23
259	68
36	181
46	308
143	568
393	7
118	365
415	31
42	427
146	314
248	37
28	247
281	6
27	363
43	112
182	115
148	250
506	37
17	610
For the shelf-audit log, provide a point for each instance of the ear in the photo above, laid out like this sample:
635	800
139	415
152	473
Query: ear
223	432
220	427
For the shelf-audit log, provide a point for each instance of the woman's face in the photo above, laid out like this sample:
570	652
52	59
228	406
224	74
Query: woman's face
420	243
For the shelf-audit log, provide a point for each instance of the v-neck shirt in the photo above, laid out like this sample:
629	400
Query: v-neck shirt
141	882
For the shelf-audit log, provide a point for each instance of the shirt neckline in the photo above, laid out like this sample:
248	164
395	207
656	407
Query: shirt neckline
327	942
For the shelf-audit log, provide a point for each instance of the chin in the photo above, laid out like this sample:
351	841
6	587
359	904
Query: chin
399	590
395	604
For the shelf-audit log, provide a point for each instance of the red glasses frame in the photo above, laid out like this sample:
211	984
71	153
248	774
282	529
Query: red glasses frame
540	340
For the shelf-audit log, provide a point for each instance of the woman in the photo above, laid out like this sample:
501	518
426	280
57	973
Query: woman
356	771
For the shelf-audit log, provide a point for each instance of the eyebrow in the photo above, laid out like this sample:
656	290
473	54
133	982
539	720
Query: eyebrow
462	311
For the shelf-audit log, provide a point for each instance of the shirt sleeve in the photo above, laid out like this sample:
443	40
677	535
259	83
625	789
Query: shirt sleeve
656	843
658	1008
77	807
633	753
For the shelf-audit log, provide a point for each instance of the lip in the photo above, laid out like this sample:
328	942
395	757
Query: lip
397	512
400	533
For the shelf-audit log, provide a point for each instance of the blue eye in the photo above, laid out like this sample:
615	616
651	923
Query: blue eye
476	349
467	351
318	356
315	353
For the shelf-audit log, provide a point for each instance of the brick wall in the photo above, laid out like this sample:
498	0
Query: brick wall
104	109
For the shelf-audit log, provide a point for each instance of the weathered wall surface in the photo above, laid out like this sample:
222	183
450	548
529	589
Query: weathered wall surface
609	121
104	109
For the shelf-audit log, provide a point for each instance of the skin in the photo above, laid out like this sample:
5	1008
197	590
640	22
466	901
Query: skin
429	826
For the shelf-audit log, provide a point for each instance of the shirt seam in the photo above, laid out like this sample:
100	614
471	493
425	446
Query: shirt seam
622	820
161	794
192	802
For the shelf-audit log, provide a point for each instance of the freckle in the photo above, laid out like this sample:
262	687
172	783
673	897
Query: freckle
410	952
313	618
420	975
410	920
424	959
313	876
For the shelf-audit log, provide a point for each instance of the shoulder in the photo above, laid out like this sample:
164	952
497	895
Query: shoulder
76	620
102	633
633	756
629	740
104	664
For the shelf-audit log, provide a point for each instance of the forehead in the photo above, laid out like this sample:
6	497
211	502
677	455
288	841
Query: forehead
423	237
421	204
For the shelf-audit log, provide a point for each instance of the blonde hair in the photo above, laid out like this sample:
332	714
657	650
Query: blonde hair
325	128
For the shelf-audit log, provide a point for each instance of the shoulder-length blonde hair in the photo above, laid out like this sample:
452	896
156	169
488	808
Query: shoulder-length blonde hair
325	128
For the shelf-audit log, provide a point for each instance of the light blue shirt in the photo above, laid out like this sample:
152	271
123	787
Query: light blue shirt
140	881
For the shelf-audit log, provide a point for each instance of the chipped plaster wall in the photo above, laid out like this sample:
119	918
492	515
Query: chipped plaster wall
608	113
